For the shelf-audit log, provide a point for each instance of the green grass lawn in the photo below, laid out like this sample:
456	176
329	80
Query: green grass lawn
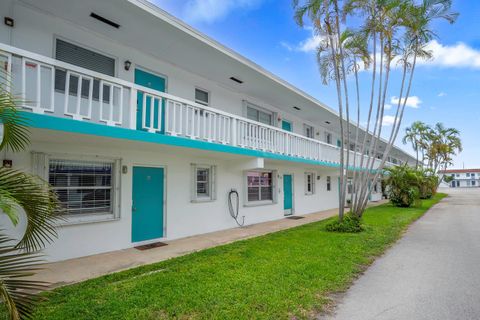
276	276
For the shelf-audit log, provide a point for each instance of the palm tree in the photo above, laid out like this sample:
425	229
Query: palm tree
392	29
444	144
417	21
22	194
325	16
417	135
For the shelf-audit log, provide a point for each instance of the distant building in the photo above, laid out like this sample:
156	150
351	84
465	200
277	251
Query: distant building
462	178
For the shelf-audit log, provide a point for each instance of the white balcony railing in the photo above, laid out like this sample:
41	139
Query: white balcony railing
49	86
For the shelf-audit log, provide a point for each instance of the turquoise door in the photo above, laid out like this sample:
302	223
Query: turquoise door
287	194
155	82
339	143
147	203
286	125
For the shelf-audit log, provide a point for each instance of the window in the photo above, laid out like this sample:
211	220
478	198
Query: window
76	55
83	187
468	174
328	137
202	97
472	175
473	183
309	131
329	183
203	183
309	183
350	188
258	115
260	186
458	175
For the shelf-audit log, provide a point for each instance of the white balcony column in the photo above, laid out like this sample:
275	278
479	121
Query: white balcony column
133	109
234	129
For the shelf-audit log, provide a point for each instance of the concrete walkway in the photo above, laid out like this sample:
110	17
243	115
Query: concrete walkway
80	269
433	272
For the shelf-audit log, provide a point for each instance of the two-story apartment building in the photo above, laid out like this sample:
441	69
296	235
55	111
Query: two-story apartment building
462	178
144	126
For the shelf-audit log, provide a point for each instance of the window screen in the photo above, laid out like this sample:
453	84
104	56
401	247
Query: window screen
73	54
203	182
309	183
202	97
259	116
83	187
259	186
309	132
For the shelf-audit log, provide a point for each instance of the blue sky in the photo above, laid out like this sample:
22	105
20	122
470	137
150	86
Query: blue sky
445	90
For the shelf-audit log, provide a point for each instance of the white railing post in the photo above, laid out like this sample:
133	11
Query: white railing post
133	109
234	131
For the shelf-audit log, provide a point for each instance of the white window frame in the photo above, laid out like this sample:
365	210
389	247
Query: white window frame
212	186
41	163
200	101
312	180
248	104
328	184
87	47
305	130
328	136
260	202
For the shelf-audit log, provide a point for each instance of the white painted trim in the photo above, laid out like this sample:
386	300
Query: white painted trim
209	95
261	202
116	185
164	167
212	170
309	173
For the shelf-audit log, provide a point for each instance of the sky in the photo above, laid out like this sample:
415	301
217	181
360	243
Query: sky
445	89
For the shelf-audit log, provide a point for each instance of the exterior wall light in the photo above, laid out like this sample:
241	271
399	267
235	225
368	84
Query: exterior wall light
127	64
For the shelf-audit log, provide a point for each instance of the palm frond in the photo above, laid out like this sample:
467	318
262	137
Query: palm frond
16	132
17	289
39	202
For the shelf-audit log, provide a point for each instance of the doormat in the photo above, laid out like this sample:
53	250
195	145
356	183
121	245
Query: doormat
295	217
151	246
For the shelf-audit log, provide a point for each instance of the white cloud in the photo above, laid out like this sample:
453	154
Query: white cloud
387	106
388	121
213	10
287	46
458	55
412	101
310	44
442	94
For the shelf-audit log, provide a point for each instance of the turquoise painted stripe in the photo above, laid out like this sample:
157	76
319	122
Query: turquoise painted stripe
42	121
69	125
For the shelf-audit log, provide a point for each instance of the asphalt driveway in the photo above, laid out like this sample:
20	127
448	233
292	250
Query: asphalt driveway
433	272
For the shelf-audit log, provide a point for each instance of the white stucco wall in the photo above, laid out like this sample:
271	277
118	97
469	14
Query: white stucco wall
36	31
183	218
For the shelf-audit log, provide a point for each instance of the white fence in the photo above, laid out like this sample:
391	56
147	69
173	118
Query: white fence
64	90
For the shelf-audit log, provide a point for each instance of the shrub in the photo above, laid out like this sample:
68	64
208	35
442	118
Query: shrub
428	184
403	197
403	185
349	224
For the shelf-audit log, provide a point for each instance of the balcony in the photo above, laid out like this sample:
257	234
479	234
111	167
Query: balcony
59	89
